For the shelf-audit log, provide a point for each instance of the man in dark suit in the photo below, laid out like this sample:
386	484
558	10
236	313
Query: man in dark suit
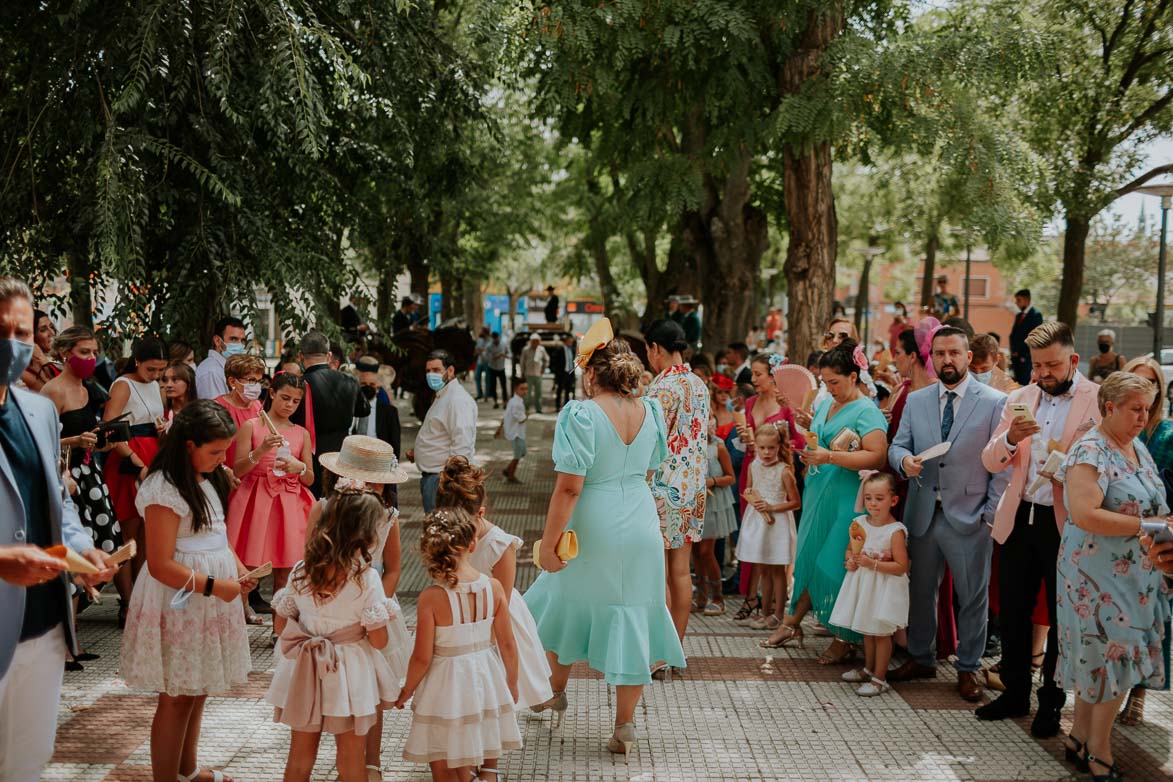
383	422
551	305
335	399
739	353
407	315
1026	321
562	365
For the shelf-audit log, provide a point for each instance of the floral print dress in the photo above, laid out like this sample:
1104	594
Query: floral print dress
1111	602
679	485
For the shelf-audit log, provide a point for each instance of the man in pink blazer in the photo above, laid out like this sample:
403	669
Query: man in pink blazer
1062	407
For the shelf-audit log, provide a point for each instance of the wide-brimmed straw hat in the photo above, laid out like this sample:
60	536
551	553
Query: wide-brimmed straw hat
366	459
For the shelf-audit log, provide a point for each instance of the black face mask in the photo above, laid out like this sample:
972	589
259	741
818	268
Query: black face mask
1105	347
1063	387
370	392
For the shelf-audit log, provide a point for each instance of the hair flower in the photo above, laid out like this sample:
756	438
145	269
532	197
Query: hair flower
860	358
777	360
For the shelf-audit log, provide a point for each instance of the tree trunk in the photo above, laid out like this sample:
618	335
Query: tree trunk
932	244
386	300
810	255
728	236
1071	288
418	269
449	295
80	298
473	303
862	305
809	202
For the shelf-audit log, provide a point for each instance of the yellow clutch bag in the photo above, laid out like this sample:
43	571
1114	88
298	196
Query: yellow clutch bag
567	548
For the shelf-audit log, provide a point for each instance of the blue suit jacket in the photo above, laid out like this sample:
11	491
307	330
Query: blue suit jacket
969	494
41	416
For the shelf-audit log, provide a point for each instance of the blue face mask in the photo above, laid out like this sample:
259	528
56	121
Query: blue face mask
983	377
14	359
729	405
435	381
233	349
722	369
180	598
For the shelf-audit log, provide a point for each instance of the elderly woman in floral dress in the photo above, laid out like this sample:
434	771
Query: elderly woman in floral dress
679	485
1111	602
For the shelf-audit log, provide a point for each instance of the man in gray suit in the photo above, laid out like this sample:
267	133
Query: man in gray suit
951	499
36	620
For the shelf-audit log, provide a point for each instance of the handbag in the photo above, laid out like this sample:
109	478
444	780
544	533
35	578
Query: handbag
567	548
846	440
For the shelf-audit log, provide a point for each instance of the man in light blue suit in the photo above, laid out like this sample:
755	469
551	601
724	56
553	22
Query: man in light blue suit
36	618
951	500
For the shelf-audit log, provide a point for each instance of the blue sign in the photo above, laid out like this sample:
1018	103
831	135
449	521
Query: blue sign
496	311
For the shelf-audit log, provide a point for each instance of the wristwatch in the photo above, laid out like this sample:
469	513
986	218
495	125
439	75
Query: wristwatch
211	582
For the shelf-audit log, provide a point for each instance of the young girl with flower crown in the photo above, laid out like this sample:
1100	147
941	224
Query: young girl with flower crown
873	600
463	671
332	618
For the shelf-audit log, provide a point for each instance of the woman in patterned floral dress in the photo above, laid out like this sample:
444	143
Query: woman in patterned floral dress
679	485
1111	602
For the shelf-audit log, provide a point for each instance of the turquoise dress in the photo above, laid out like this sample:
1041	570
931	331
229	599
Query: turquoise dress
828	507
1111	603
607	605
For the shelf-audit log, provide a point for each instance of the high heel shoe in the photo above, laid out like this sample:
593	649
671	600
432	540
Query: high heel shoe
793	633
662	672
623	740
847	653
557	704
747	610
1076	755
1113	774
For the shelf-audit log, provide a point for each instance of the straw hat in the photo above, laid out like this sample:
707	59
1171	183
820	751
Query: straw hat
365	459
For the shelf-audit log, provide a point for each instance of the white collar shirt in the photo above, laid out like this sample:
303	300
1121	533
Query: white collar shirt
449	429
1051	416
210	382
960	389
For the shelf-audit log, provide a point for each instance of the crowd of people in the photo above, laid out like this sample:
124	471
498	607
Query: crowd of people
913	502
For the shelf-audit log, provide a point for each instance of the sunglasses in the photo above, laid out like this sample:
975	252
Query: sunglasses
836	335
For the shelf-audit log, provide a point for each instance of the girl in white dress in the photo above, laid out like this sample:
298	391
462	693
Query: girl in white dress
369	464
465	690
873	600
332	618
185	636
768	533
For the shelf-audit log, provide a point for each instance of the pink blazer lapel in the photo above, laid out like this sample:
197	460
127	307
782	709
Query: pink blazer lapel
1085	414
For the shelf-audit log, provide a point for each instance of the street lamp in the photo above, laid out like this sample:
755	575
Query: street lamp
1166	194
863	299
968	252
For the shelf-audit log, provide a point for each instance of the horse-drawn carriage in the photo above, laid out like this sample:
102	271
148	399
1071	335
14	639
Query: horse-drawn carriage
407	353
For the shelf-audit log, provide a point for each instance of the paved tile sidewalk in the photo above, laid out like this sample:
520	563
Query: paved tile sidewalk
739	713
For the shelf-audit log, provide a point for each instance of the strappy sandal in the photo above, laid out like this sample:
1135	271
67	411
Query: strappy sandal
793	634
217	776
1113	774
747	610
374	774
873	688
1076	755
1133	713
847	654
662	672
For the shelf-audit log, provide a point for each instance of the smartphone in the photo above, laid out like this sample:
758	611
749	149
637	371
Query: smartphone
1159	530
1021	410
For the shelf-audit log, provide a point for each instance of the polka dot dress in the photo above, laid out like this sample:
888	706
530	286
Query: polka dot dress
92	497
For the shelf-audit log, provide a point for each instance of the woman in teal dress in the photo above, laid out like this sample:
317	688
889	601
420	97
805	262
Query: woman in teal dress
607	606
1111	603
828	500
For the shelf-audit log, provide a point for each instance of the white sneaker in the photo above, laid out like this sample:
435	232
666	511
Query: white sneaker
873	688
857	676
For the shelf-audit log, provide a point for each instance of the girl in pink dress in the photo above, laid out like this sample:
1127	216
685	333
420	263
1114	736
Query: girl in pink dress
269	511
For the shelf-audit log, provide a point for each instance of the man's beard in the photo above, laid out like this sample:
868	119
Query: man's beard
1059	387
950	375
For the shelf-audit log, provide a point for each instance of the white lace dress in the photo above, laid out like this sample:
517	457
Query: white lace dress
533	670
869	602
353	680
201	648
462	712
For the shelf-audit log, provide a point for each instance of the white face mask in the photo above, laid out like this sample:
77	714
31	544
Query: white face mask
180	598
983	377
251	391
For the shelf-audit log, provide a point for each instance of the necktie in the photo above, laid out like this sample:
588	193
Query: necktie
947	416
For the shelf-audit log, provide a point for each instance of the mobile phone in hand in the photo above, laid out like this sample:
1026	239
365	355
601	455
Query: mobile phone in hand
1158	530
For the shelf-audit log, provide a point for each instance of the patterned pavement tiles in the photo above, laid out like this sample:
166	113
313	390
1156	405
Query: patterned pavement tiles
737	713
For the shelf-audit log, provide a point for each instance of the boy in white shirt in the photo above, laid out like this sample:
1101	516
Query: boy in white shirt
513	428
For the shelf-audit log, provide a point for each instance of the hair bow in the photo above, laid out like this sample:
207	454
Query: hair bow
349	484
599	335
777	360
924	332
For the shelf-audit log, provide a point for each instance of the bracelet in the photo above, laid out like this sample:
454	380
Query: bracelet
304	467
875	566
251	459
208	584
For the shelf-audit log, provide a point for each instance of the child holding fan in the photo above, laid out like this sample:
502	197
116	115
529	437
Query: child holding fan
464	690
767	525
332	618
873	600
269	511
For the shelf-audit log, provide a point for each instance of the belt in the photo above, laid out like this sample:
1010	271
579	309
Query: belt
144	430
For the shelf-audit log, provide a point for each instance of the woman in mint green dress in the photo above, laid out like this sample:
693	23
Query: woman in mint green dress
606	606
828	499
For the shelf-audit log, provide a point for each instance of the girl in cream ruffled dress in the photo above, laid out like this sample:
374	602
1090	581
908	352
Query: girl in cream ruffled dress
464	689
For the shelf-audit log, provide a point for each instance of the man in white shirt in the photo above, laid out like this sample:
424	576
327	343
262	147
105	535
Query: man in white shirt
1026	525
533	365
449	428
227	340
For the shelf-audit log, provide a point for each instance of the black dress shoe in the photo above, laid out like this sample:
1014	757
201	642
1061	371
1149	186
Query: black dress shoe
1046	721
1003	707
87	657
74	665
